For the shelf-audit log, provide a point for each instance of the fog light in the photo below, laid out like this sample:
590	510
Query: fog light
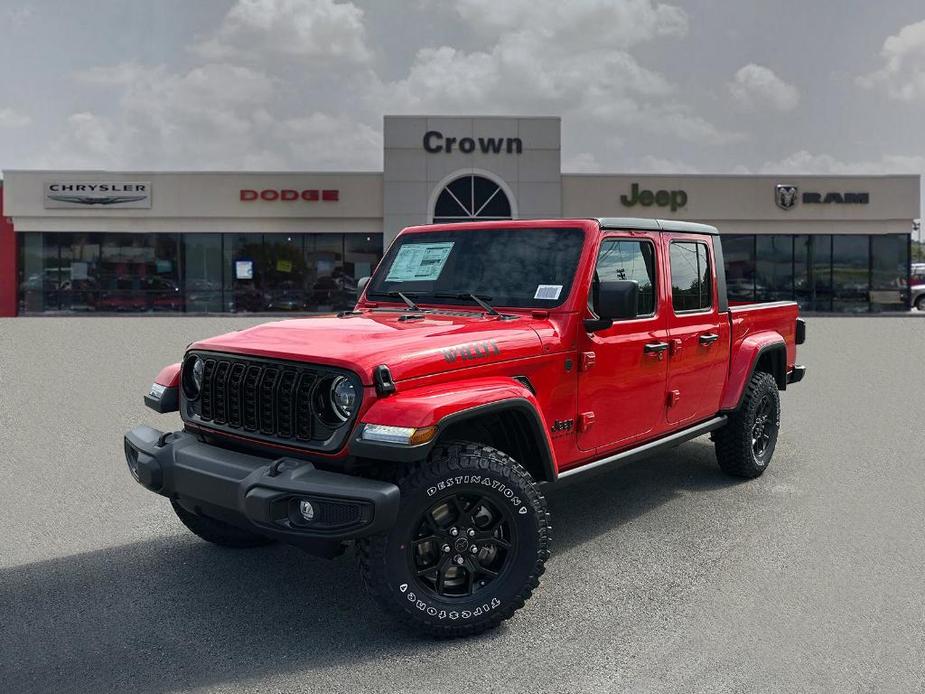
307	510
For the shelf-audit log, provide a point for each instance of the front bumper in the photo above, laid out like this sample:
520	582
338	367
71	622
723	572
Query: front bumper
261	494
796	375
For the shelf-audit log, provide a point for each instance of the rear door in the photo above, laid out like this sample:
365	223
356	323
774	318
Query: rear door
698	335
623	368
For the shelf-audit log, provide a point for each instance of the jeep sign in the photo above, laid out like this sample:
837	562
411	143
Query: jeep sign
662	198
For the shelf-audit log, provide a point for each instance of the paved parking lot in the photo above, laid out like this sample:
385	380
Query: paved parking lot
665	575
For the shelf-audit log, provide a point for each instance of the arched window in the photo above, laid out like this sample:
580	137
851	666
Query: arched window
471	198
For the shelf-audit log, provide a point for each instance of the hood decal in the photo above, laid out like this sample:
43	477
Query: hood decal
471	350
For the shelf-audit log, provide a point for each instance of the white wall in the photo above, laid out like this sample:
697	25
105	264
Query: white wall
204	202
746	204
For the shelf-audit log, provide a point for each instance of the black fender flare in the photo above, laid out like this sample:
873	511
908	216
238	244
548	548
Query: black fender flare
398	453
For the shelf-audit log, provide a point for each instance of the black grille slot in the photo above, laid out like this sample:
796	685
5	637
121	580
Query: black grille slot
268	400
303	407
235	395
285	403
220	391
265	398
205	396
251	379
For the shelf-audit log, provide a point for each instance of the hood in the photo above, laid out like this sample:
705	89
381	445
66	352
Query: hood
410	347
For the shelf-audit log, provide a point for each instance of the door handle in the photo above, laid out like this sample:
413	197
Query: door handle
708	338
655	348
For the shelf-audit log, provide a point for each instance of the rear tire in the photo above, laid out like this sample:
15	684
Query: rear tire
468	548
216	532
920	303
745	445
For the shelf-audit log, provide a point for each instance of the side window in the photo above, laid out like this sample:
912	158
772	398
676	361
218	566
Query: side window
691	280
625	259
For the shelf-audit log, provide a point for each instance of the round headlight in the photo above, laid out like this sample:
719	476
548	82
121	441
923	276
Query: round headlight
192	377
343	397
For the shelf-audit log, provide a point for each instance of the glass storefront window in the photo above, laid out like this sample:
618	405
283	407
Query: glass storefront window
202	276
889	269
34	285
284	273
244	264
813	271
774	267
739	257
324	260
850	273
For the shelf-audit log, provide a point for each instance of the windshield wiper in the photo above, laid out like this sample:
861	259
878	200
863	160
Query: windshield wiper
400	295
480	300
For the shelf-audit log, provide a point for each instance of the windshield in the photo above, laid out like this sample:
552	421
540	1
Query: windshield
519	268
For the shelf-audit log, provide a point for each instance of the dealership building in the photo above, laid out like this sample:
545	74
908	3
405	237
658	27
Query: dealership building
194	242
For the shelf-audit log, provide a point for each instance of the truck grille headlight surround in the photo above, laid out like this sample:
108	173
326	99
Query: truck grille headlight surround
408	436
193	371
343	397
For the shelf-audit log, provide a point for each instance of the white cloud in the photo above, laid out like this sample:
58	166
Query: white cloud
583	162
600	22
651	164
215	116
548	56
804	162
903	74
756	86
11	118
313	31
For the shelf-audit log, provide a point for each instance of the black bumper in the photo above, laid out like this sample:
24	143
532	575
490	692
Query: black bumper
261	494
796	375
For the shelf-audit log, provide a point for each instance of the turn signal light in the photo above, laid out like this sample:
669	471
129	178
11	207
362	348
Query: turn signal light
408	436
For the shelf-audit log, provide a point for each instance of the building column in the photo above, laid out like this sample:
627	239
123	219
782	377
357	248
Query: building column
8	259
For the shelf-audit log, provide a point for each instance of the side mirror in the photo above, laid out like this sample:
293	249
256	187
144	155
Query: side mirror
361	284
616	300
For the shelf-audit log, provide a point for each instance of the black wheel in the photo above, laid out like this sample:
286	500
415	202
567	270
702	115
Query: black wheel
920	303
469	546
745	445
216	532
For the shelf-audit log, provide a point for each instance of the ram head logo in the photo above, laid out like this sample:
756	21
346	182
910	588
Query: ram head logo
785	196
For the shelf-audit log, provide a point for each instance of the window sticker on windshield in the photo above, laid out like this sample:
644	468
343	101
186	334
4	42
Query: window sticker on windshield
419	262
550	292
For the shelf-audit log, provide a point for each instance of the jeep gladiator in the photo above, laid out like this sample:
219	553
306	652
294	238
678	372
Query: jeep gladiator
481	362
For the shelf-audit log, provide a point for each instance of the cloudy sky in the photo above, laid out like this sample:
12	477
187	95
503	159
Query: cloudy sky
702	86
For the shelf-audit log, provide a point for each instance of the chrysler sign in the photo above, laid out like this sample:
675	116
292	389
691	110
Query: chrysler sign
98	194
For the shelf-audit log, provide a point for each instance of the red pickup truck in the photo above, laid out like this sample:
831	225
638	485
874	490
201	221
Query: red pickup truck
482	362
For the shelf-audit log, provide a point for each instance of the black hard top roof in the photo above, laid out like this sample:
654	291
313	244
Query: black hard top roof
648	224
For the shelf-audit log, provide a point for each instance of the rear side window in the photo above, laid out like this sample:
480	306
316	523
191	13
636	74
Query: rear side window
624	259
691	280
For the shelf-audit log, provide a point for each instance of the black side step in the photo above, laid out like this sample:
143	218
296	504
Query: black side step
651	448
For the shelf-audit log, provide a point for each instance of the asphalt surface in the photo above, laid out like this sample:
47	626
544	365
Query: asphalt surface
665	575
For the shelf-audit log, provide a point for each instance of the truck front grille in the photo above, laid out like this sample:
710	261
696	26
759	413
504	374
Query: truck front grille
269	400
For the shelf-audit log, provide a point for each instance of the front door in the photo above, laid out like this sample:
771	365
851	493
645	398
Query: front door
698	334
623	368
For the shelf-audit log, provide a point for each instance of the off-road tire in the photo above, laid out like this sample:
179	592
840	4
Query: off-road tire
459	470
735	442
217	532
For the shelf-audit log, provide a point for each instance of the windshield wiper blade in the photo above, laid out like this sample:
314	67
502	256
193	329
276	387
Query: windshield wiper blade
480	300
400	295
